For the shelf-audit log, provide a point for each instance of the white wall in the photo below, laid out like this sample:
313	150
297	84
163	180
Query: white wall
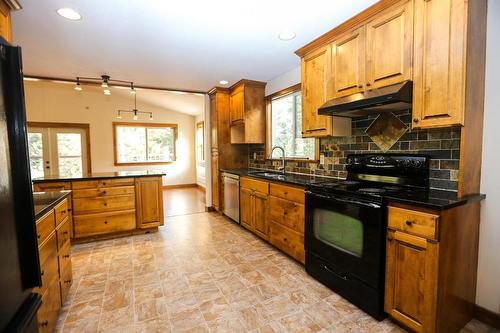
200	165
283	81
59	102
488	275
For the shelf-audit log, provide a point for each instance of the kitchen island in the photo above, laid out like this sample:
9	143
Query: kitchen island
103	205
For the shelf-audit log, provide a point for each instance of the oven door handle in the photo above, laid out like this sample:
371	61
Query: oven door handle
343	277
355	202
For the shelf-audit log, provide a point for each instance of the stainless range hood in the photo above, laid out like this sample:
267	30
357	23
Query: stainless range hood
386	99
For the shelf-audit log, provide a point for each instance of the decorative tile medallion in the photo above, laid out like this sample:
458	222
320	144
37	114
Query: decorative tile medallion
386	130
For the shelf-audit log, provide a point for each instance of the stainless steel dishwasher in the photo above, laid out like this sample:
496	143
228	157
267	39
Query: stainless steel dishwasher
232	196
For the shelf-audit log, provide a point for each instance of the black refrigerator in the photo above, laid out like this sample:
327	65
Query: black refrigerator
19	264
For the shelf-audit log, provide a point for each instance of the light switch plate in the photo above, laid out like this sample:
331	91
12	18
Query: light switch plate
254	155
322	159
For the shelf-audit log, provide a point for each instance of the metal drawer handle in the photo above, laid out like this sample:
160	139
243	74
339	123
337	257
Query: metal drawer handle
389	238
65	233
105	222
42	273
66	256
38	236
44	323
67	281
409	223
343	277
63	211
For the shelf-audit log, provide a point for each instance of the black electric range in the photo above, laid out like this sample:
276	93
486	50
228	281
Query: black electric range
345	225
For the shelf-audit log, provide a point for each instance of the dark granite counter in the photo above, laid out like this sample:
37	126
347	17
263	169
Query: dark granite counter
433	199
101	175
289	178
43	202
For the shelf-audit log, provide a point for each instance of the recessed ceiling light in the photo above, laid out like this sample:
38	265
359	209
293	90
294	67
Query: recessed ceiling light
287	35
69	13
224	82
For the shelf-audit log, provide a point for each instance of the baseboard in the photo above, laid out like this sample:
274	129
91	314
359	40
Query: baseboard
169	187
486	316
210	209
201	188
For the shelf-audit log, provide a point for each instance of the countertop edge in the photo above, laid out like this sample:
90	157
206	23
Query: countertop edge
441	207
90	178
51	206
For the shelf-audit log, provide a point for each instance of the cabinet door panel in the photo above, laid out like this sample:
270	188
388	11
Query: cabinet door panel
150	202
411	280
236	105
316	86
389	40
348	57
439	63
260	214
215	179
246	208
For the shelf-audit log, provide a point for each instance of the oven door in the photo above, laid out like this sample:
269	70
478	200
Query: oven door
348	234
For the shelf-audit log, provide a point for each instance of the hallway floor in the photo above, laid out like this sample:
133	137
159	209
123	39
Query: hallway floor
183	201
202	273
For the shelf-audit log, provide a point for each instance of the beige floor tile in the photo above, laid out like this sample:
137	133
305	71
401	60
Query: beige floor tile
84	309
85	325
299	322
215	308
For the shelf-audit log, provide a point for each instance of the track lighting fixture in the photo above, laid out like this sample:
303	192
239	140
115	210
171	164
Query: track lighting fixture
106	82
135	112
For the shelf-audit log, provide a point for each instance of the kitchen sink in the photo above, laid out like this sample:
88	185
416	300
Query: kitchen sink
269	175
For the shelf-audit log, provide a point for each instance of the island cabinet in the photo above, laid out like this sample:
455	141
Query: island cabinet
53	234
274	212
149	202
431	267
247	112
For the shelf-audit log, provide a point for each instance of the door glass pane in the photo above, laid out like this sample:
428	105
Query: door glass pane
341	231
35	146
160	144
131	144
69	150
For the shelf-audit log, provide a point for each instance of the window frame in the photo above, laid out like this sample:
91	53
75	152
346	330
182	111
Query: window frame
201	125
146	126
268	99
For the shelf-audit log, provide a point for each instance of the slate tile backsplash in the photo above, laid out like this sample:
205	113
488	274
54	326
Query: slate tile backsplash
442	145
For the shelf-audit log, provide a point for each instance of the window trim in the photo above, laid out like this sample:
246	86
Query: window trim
201	124
145	125
268	99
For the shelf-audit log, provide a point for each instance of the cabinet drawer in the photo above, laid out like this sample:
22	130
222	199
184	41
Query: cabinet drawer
256	185
51	186
287	213
414	222
105	223
103	191
49	310
65	282
44	226
102	204
48	262
63	233
81	184
65	258
287	192
112	182
61	211
287	240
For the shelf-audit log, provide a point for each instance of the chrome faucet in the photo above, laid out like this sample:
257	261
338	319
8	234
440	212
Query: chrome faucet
282	168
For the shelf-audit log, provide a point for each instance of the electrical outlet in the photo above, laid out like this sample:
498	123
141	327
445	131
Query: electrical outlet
254	155
322	159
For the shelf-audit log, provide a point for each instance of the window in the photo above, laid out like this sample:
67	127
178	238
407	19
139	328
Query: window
286	128
144	143
57	150
200	129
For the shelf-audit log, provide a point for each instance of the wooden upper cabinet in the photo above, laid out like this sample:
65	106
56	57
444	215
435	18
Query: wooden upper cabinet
236	105
247	112
439	63
5	21
389	41
348	62
411	281
315	92
149	199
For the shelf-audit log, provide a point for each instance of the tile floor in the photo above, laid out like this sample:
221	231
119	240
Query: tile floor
202	273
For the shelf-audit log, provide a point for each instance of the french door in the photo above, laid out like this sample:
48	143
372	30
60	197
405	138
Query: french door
57	151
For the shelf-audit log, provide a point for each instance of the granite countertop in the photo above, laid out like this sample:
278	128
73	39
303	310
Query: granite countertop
433	199
97	175
289	178
43	202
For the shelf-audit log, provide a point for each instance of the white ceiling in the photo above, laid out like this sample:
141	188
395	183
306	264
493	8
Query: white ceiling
184	44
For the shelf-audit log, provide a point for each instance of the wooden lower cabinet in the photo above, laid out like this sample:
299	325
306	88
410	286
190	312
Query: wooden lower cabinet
149	199
105	223
431	265
54	247
274	212
411	276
